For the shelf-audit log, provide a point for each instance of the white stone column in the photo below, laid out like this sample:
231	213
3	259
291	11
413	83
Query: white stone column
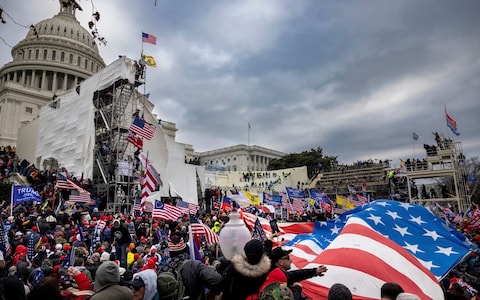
65	77
54	83
32	80
43	80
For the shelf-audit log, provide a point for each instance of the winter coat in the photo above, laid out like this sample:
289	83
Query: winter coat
196	276
290	277
242	279
106	285
149	277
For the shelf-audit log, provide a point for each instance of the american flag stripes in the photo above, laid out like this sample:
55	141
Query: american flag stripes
77	194
167	212
149	38
201	229
192	207
150	179
297	205
142	128
135	140
137	204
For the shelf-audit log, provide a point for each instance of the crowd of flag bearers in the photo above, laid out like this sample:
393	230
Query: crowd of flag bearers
82	253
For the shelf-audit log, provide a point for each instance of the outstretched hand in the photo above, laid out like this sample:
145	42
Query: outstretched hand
321	269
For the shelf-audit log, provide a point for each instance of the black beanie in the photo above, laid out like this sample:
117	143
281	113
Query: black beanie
339	292
253	251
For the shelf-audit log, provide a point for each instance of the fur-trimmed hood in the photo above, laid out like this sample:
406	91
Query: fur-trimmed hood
243	267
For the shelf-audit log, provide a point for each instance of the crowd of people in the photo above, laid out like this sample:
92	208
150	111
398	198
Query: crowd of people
79	252
83	253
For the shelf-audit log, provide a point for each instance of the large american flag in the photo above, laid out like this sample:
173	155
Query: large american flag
377	242
142	128
199	228
77	194
166	211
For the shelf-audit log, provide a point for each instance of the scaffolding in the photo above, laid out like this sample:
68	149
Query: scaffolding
113	168
443	165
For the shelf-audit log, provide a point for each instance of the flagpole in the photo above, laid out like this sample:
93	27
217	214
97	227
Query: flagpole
413	142
190	242
248	135
11	201
446	120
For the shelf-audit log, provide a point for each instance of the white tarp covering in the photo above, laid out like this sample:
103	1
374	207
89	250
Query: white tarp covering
179	178
67	133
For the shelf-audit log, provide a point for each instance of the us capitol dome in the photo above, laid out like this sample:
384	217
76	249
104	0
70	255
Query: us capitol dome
55	56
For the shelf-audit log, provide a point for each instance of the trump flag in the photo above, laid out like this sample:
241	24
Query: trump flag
21	194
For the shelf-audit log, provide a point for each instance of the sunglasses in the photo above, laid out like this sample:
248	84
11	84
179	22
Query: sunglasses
286	257
135	288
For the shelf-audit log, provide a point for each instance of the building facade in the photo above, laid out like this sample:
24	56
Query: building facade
238	158
56	55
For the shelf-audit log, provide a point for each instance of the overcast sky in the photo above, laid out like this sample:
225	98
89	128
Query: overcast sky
355	78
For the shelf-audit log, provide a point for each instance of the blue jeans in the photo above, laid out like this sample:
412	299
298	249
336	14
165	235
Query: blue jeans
121	254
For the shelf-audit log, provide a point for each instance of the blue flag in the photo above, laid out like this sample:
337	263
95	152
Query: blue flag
23	193
295	193
274	200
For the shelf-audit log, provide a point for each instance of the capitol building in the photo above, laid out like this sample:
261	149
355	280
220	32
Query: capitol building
56	55
60	102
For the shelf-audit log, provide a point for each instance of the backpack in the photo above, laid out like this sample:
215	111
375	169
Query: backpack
169	282
168	286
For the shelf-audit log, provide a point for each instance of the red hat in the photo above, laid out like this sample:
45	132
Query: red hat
452	280
56	268
34	228
136	256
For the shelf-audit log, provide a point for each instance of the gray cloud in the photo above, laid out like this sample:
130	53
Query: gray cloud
354	78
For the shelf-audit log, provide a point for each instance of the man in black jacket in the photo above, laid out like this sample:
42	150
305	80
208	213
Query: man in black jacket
120	238
197	276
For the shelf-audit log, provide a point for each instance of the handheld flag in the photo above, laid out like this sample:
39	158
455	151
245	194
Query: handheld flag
142	128
23	193
135	140
258	232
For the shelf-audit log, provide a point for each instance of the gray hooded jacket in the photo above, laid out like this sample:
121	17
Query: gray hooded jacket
106	284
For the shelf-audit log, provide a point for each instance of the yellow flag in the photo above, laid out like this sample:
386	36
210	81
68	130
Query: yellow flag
253	199
350	205
149	60
340	200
